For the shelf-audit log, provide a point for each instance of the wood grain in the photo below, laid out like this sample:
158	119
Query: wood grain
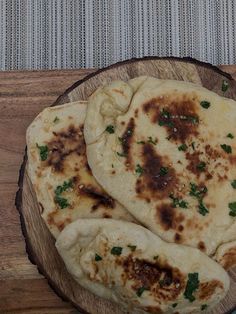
22	96
42	250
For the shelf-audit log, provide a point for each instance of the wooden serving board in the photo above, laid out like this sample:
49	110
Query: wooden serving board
40	244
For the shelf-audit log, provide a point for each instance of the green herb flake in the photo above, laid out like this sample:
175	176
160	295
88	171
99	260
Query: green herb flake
132	247
201	166
193	145
230	135
196	191
205	104
110	129
163	171
226	148
56	120
174	305
183	204
98	257
43	152
151	141
66	185
191	287
140	291
121	154
167	123
203	307
116	250
139	170
156	257
165	114
177	202
183	147
140	142
194	120
233	184
232	207
224	86
202	209
61	201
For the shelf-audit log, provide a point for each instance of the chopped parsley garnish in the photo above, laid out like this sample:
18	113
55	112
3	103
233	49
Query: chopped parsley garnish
110	129
203	307
178	202
112	165
156	257
201	166
232	207
205	104
225	86
196	191
43	152
193	145
98	257
61	201
121	154
61	188
140	291
140	142
202	208
165	114
174	304
150	140
191	287
167	123
183	147
169	137
226	148
233	184
139	170
230	135
132	247
199	193
116	250
56	120
193	119
163	171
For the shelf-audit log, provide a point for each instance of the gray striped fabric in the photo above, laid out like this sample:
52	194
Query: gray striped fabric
59	34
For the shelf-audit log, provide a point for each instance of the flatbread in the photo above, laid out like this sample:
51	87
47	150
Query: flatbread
64	185
128	264
173	153
226	255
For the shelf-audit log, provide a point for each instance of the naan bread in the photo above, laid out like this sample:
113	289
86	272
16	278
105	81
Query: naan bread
226	255
63	182
128	264
171	160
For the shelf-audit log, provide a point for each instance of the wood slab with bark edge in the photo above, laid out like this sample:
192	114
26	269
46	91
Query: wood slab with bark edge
42	249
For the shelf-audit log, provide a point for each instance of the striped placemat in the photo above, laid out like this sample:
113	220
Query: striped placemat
59	34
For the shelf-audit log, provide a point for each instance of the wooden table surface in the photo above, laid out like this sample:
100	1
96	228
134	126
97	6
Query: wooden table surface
22	96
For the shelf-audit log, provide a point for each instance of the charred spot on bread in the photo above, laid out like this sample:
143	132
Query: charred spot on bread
101	198
63	144
162	280
178	114
158	178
